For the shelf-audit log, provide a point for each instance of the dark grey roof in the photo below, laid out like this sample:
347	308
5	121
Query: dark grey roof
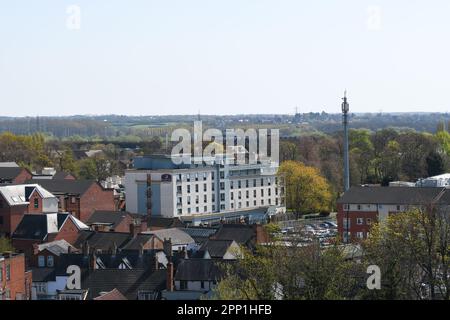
240	233
35	226
389	195
9	173
75	187
128	282
199	270
161	222
137	241
200	232
216	248
61	175
103	241
43	274
112	218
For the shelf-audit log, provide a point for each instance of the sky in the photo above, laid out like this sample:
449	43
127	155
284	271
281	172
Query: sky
159	57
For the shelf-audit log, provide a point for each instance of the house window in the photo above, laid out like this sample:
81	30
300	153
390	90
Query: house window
41	261
360	221
202	284
369	221
1	274
346	223
73	199
183	285
359	207
398	208
360	235
8	272
50	261
36	203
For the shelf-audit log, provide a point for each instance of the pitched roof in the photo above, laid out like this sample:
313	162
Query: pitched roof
199	270
114	294
216	248
75	187
38	226
103	240
176	235
389	195
161	222
8	165
137	241
9	173
128	282
112	218
240	233
61	175
56	247
15	194
200	233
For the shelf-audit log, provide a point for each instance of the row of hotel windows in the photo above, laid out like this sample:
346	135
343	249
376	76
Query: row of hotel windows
222	186
222	206
194	176
222	197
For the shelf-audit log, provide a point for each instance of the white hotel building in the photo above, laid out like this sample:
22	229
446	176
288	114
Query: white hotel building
204	193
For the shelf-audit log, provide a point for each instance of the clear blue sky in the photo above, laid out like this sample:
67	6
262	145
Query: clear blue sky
223	56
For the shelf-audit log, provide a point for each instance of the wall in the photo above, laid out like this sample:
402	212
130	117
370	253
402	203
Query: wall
96	198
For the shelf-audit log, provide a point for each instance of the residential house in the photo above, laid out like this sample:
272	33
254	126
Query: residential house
81	198
158	223
219	249
118	221
47	254
16	200
41	228
246	235
14	175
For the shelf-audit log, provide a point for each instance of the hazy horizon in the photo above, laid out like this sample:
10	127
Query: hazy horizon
231	57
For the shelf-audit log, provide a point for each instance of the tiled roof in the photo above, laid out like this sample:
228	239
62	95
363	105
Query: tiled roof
161	222
75	187
103	240
137	241
9	173
390	195
114	294
112	218
199	270
240	233
128	282
216	248
177	236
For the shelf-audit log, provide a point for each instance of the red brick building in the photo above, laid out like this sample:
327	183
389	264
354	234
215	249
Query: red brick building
14	175
81	198
15	280
360	207
37	229
118	221
16	200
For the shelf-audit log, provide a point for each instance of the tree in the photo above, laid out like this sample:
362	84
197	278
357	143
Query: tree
98	168
5	245
306	190
435	164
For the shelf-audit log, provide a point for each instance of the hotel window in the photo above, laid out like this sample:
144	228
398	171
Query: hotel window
254	203
178	189
204	176
212	186
205	198
270	201
222	186
239	205
205	209
247	194
232	196
222	174
189	210
212	175
360	221
179	211
247	204
262	202
213	197
196	188
246	183
188	189
196	177
269	181
196	200
269	191
222	207
239	195
232	185
213	208
232	205
262	192
197	209
262	182
239	184
254	183
179	201
188	177
222	197
254	193
276	201
188	200
205	187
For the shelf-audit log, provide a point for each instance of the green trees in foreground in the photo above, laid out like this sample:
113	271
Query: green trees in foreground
412	250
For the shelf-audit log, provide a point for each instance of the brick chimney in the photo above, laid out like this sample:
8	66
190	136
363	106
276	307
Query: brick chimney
261	235
134	229
35	248
169	282
167	247
93	260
